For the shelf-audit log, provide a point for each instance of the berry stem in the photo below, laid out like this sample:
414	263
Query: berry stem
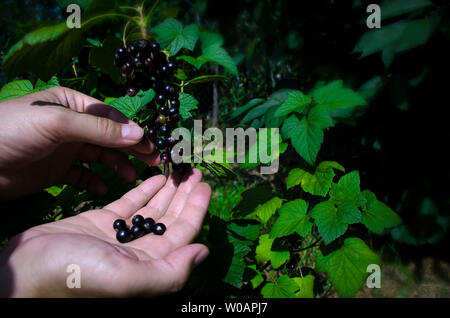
166	169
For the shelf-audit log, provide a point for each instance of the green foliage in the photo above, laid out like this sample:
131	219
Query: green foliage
172	35
347	266
21	88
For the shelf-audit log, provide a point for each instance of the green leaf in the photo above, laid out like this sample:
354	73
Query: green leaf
187	104
284	287
197	62
41	85
247	231
334	96
52	46
264	252
219	170
240	110
320	116
306	285
292	219
206	79
393	8
16	89
347	267
329	221
55	190
318	183
235	273
266	210
376	215
296	101
258	278
130	106
213	51
174	37
306	137
103	57
347	189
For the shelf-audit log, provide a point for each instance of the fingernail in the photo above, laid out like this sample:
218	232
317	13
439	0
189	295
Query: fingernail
201	256
132	132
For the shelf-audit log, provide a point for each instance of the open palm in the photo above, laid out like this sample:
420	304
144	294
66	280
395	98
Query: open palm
35	262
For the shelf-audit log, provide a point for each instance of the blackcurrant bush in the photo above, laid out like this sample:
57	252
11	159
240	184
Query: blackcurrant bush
137	231
124	236
148	225
137	219
119	225
159	228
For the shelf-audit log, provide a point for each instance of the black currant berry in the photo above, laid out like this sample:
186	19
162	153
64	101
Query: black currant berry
171	66
151	133
155	47
137	230
164	157
170	89
159	229
121	52
160	143
175	103
165	131
119	225
137	219
133	50
143	46
132	91
126	68
137	63
124	236
148	225
163	110
160	99
160	58
173	113
148	61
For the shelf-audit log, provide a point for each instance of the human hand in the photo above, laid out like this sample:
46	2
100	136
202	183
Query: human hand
34	263
43	134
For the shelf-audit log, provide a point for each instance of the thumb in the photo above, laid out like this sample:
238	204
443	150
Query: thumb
101	131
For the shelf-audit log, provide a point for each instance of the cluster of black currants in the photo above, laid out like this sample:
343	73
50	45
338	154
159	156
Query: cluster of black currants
140	227
145	66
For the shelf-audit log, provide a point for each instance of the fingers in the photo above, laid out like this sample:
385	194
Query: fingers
87	119
83	178
160	202
184	217
136	198
110	159
183	229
